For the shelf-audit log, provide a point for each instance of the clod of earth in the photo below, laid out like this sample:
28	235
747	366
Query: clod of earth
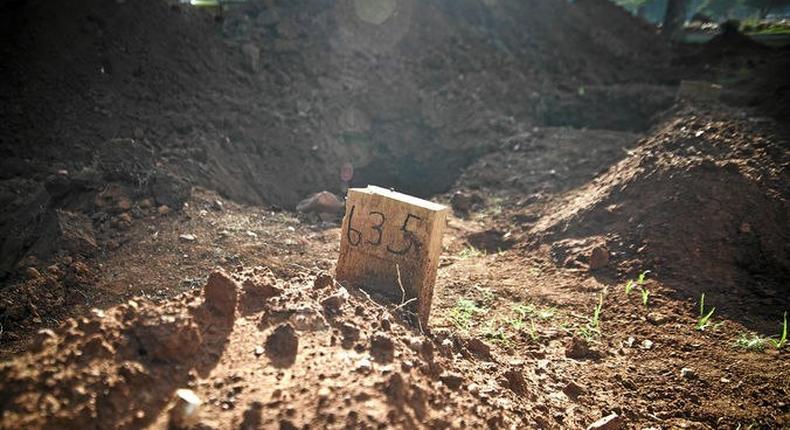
282	345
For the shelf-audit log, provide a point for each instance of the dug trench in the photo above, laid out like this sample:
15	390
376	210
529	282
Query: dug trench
549	221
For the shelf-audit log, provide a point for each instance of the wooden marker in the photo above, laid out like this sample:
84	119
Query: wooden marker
385	232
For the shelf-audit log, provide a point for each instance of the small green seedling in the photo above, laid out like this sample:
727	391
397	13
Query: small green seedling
640	281
782	342
753	342
629	286
471	252
596	319
704	318
533	332
645	296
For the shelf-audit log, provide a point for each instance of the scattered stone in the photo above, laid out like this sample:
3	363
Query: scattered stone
364	366
163	210
452	380
609	422
146	204
646	344
579	349
322	202
64	230
282	345
308	318
479	348
463	202
187	237
515	381
333	305
186	409
382	348
688	373
217	205
221	293
33	273
259	351
323	280
350	334
573	390
599	257
656	318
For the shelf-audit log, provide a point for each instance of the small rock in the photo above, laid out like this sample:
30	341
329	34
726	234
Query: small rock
187	237
656	318
579	349
364	366
322	202
479	348
217	205
646	344
221	293
350	334
515	381
382	348
323	280
259	351
573	390
186	408
282	345
599	257
688	373
452	380
333	305
163	210
33	273
609	422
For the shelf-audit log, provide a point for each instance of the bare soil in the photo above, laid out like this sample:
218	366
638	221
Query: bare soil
160	252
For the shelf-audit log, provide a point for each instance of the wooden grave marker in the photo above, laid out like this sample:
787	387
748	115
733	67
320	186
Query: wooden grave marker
385	232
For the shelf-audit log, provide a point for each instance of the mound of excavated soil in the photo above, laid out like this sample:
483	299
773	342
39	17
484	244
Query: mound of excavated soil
703	201
259	352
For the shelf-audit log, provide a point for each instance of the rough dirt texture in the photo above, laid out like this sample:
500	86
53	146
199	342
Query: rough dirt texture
130	128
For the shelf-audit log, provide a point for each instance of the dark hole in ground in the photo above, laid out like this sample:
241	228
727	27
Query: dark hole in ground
490	241
421	178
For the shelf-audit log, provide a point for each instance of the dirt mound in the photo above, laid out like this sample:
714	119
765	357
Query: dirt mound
290	363
702	200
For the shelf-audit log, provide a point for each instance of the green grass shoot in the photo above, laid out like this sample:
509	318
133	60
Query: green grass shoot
782	342
703	321
629	286
464	312
645	297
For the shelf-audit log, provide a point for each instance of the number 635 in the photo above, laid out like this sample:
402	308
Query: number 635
410	241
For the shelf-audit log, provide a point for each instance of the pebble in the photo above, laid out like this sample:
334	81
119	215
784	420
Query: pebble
187	237
688	373
185	412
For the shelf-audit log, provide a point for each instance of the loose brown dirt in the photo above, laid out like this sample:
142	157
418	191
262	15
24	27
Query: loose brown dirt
157	254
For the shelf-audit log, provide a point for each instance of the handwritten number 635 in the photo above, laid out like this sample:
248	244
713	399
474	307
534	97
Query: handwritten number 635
410	241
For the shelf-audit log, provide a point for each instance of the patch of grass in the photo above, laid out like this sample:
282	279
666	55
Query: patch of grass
464	312
495	332
782	342
471	252
531	311
629	286
751	342
703	321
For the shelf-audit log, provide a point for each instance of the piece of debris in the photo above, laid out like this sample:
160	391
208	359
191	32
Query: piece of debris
646	344
186	409
688	373
323	280
187	237
609	422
